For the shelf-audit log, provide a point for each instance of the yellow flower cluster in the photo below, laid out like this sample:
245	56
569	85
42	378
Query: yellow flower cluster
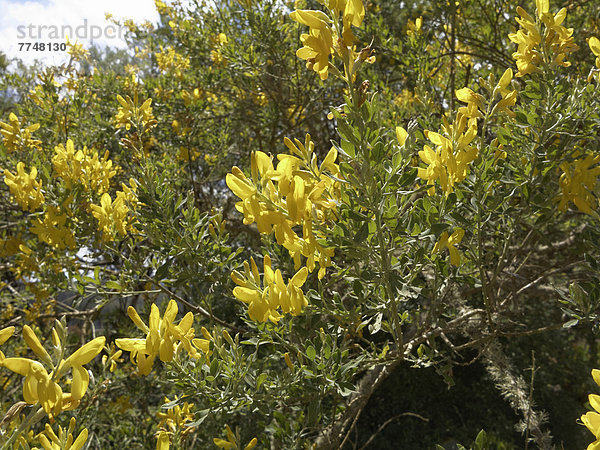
52	229
114	214
188	97
449	242
265	300
216	56
169	59
15	137
323	38
542	39
508	98
188	154
476	103
83	167
578	183
232	441
24	188
41	387
163	337
591	419
449	162
297	193
172	421
49	440
130	113
414	28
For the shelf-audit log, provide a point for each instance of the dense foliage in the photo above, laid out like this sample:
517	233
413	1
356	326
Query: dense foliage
333	224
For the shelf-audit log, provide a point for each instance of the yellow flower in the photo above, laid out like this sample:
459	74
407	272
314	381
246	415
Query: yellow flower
507	98
545	27
232	442
83	167
264	302
162	337
318	45
449	243
42	387
130	113
113	359
15	137
170	60
414	28
475	102
594	44
450	161
76	50
297	192
577	184
115	215
173	421
64	440
591	419
25	189
52	230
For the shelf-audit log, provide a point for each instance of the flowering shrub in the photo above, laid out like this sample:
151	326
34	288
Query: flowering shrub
318	230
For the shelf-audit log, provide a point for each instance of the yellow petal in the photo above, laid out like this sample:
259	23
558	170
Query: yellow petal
329	161
314	19
45	442
354	12
594	44
34	343
505	79
20	365
154	320
592	421
202	344
131	345
137	320
401	135
170	313
594	401
454	256
87	352
263	162
78	444
221	443
163	442
79	385
5	334
246	295
239	187
252	443
186	323
165	349
300	277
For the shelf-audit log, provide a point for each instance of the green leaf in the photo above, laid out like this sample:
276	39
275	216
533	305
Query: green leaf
260	379
362	233
481	440
114	285
163	270
311	353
